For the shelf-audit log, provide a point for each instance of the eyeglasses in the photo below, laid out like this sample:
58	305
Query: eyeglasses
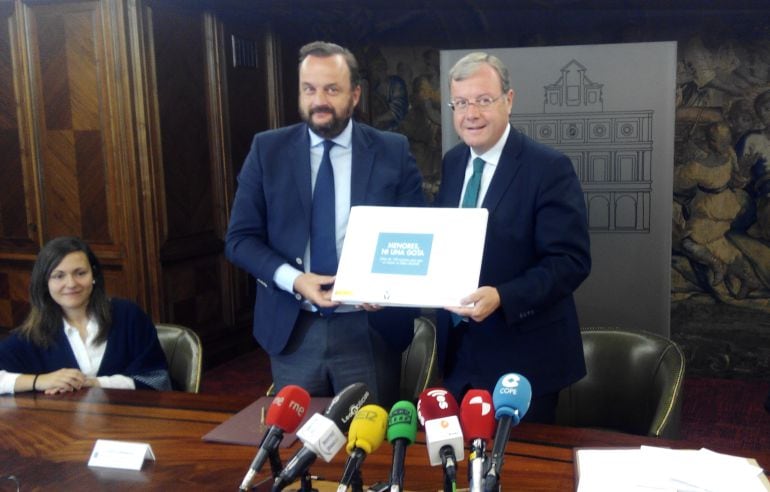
483	102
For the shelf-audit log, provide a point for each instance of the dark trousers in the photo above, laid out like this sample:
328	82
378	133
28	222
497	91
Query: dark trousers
327	353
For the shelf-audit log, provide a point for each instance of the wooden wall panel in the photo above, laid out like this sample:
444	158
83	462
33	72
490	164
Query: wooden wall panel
52	63
14	297
76	186
194	296
17	202
180	66
185	48
92	186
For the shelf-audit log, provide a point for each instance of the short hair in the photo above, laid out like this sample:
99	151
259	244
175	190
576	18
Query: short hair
45	317
470	63
325	49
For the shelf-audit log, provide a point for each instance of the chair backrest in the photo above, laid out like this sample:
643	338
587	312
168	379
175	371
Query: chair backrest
418	362
184	354
633	384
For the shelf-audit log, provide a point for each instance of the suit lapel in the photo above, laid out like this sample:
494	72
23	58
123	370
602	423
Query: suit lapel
506	171
454	179
362	162
298	157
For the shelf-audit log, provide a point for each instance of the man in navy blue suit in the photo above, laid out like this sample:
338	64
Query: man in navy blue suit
522	318
270	234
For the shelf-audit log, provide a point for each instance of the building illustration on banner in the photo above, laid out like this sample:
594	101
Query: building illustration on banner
610	150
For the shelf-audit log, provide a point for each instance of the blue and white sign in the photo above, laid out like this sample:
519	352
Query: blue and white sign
402	253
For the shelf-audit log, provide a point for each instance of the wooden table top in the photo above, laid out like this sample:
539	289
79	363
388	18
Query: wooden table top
47	441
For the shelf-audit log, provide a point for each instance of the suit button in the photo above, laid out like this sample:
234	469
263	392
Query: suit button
298	297
298	261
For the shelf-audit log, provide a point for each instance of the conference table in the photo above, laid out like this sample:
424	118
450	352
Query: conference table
46	442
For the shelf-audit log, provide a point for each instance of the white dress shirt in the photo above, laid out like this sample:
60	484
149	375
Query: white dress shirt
491	158
341	155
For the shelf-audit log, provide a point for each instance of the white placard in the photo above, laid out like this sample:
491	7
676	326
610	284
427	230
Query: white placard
119	454
407	256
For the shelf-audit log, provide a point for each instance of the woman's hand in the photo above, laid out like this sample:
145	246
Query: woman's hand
92	383
61	381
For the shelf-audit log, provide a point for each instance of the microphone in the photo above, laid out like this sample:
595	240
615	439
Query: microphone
437	411
511	398
402	431
367	431
284	415
324	434
478	423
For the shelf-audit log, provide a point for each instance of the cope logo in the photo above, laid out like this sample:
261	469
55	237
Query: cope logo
511	381
509	385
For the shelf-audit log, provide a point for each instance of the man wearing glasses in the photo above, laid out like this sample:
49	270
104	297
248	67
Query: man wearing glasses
522	318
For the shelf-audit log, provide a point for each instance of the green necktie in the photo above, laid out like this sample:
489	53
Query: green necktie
469	201
474	184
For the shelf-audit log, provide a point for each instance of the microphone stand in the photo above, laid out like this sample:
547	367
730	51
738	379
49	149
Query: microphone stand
477	465
450	470
275	463
357	483
306	483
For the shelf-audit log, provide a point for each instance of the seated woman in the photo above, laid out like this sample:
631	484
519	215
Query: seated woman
76	336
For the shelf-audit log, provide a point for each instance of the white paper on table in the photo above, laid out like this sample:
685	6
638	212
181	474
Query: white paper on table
619	470
407	256
650	468
716	472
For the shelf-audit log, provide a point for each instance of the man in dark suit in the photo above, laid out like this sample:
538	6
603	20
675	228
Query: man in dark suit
274	228
523	318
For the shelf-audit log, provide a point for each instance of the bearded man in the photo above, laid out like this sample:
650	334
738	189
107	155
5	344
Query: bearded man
294	195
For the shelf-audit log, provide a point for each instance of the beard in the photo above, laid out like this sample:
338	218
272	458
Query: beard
331	128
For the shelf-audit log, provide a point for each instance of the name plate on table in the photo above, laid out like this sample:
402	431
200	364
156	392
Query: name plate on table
121	455
407	256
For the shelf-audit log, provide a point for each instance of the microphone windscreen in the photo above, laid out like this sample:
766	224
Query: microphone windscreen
402	422
346	403
367	431
435	403
512	396
477	415
288	408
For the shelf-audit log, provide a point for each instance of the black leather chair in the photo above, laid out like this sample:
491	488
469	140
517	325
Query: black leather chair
418	362
633	385
184	354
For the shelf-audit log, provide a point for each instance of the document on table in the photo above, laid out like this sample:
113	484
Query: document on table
407	256
651	469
